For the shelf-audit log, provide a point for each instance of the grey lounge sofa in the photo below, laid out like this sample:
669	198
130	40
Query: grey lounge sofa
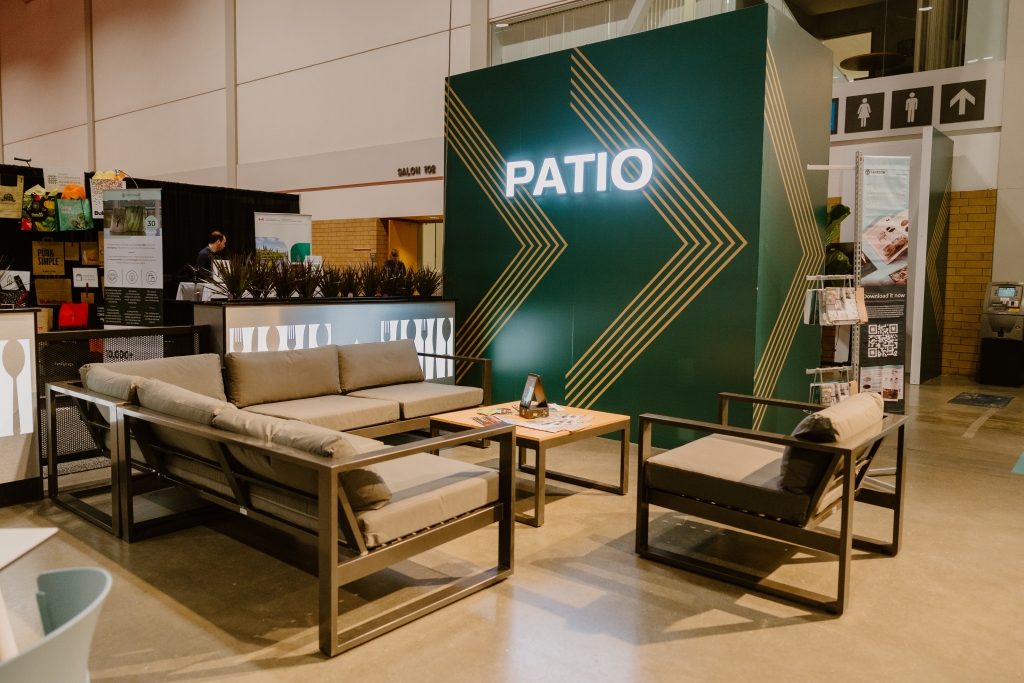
780	486
167	423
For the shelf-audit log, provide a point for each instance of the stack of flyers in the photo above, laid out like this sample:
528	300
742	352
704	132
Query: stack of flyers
839	306
488	420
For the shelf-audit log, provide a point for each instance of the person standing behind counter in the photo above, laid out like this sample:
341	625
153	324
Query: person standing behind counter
204	262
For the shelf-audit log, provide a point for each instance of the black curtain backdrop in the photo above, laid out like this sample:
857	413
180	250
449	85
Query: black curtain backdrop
190	213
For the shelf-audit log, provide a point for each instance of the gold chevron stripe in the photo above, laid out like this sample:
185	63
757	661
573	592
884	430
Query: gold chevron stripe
780	341
708	240
540	243
931	267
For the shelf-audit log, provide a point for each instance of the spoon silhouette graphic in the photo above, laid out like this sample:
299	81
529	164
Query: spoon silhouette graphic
14	363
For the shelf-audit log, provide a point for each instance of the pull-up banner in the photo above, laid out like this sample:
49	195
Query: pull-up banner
885	245
133	293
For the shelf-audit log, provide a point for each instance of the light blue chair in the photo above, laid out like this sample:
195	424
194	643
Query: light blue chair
69	606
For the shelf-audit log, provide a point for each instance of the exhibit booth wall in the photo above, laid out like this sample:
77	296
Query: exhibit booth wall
658	298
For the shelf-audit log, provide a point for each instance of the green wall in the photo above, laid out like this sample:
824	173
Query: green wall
651	300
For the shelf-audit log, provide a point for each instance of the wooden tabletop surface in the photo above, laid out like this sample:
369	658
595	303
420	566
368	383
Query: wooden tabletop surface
600	420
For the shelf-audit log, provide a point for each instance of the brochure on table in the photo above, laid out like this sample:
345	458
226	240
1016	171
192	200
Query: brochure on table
885	244
133	258
285	236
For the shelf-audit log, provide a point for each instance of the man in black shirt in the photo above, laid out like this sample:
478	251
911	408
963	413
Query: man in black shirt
204	262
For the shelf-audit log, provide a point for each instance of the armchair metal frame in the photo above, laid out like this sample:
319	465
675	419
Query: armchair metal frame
337	525
849	462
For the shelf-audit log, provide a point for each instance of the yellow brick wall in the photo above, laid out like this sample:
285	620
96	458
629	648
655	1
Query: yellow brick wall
972	224
350	241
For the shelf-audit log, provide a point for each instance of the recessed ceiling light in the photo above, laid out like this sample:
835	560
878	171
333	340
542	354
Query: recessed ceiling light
923	9
501	25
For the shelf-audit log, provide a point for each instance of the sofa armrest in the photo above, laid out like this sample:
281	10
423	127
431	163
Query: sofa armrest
724	398
485	364
76	390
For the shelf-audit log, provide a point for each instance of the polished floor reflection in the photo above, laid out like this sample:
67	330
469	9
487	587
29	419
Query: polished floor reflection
233	600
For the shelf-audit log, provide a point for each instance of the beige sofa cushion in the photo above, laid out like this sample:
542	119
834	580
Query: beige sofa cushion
804	468
200	374
102	380
425	398
273	376
737	473
340	413
249	424
323	442
426	490
181	403
378	364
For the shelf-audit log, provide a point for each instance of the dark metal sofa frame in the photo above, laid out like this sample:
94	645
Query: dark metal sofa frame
848	468
335	511
147	480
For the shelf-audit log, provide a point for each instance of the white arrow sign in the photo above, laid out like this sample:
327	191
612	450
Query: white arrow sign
962	97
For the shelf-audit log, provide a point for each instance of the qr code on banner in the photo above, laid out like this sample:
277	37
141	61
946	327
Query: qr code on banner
883	340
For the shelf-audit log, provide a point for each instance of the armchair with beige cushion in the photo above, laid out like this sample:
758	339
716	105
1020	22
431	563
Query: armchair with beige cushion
780	486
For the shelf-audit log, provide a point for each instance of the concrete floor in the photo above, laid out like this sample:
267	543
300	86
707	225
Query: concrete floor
235	601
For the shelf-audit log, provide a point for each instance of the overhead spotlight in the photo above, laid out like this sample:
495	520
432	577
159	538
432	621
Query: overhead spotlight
501	25
923	9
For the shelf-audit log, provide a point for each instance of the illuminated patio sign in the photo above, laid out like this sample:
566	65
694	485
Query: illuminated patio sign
596	177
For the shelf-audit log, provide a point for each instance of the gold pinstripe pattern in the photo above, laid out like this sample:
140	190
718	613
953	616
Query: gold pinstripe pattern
708	240
931	268
540	243
812	252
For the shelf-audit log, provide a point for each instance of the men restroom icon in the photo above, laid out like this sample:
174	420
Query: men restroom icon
16	387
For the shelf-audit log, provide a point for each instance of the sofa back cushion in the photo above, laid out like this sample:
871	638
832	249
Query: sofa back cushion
269	377
803	469
181	403
378	364
200	374
105	381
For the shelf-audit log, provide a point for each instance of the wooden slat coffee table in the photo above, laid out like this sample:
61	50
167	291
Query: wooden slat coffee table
540	442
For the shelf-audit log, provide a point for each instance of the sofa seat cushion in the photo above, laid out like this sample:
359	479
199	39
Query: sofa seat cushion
378	364
425	398
340	413
426	490
200	374
729	471
274	376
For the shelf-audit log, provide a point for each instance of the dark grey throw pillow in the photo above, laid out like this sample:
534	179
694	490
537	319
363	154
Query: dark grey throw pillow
803	468
365	489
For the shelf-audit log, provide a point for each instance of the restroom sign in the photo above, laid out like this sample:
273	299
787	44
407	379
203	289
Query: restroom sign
911	107
865	112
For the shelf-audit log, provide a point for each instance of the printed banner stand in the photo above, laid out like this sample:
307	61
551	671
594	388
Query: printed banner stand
132	256
285	236
880	261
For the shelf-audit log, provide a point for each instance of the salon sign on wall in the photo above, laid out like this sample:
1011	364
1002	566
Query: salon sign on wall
590	172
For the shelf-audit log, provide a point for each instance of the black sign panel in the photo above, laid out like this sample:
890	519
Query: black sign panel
962	102
883	345
911	107
865	112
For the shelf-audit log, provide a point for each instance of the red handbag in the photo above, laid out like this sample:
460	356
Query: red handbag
73	315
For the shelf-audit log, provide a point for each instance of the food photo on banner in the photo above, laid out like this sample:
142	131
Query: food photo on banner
133	258
885	244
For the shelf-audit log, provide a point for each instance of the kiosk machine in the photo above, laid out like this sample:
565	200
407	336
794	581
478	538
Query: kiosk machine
1002	335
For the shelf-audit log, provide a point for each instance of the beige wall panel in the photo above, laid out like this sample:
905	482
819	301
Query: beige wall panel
69	147
153	52
501	9
460	13
400	199
386	96
42	67
975	161
180	136
460	50
275	37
